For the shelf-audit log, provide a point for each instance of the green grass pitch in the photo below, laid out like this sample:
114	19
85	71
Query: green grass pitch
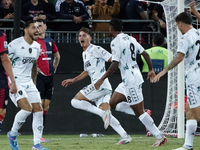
74	142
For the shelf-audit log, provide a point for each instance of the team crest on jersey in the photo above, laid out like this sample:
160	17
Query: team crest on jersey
30	50
5	45
20	92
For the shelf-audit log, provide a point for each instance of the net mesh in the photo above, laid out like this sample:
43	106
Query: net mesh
168	124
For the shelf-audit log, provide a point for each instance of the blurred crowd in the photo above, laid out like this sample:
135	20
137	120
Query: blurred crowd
79	10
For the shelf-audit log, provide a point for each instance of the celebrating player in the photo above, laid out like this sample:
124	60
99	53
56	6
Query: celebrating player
47	64
128	94
24	52
5	67
94	58
189	50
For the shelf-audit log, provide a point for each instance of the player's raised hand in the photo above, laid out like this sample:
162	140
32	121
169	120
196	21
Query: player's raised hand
192	7
158	76
98	84
67	82
151	75
13	88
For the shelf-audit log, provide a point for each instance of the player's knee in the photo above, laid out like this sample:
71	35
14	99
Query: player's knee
74	102
112	104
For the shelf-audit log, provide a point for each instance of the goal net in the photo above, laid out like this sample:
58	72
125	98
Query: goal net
168	124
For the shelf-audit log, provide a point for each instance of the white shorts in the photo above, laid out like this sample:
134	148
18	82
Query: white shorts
133	94
97	96
26	90
193	94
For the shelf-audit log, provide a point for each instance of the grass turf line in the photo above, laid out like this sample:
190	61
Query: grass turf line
74	142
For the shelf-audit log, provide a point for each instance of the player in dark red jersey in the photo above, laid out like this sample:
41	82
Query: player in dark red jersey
47	64
5	69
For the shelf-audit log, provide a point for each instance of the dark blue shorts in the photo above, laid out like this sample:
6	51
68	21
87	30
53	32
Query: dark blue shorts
44	85
4	96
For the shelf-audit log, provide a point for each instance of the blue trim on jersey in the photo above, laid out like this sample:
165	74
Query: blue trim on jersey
49	49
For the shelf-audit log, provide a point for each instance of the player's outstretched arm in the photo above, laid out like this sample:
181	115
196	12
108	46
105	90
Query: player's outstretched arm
193	10
110	71
179	57
81	76
8	68
151	73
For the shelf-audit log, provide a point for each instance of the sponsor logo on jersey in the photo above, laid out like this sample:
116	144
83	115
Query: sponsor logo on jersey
28	60
22	47
50	44
104	53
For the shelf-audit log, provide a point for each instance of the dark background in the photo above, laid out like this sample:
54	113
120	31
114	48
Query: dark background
62	118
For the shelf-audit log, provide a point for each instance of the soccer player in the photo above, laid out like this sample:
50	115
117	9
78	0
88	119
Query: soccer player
128	96
5	68
24	52
94	58
189	51
47	64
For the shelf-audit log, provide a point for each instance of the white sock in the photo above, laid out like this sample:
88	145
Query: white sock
87	106
20	118
125	107
149	124
114	123
191	126
37	127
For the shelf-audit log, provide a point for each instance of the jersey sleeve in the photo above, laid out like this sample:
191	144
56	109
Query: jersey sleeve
11	49
55	48
3	45
116	52
183	45
100	52
38	50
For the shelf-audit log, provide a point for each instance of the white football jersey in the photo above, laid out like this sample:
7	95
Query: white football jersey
190	46
22	57
94	58
124	50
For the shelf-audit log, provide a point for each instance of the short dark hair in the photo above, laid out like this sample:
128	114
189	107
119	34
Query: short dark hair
86	30
41	20
184	17
116	24
27	24
159	39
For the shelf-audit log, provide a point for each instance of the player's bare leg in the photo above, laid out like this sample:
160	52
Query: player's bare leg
81	102
119	103
149	123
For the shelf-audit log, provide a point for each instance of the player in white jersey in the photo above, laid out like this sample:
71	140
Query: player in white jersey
128	95
94	58
24	52
189	50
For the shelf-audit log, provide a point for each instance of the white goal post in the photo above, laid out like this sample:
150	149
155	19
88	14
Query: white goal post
173	121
